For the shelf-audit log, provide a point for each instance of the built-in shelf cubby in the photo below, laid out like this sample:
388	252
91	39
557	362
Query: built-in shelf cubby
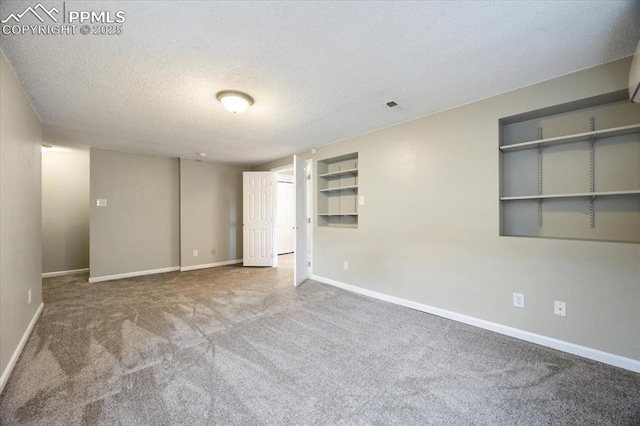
338	191
572	171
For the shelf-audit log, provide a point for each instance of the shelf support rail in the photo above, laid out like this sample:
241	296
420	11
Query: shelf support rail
540	178
592	183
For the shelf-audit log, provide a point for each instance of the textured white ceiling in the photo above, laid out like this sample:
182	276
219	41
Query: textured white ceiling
319	71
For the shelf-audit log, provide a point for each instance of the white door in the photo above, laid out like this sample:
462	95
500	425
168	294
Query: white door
257	227
301	266
285	218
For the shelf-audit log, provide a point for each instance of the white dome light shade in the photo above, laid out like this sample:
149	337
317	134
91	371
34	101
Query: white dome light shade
234	101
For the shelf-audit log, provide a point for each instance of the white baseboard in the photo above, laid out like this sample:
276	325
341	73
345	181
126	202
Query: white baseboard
133	274
61	273
572	348
162	270
16	354
210	265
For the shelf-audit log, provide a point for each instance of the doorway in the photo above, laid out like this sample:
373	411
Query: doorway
277	219
65	210
298	173
285	212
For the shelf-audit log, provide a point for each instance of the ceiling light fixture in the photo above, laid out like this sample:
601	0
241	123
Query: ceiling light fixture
234	100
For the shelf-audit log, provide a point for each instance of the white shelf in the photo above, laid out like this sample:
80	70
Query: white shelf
342	188
337	191
579	137
339	173
574	195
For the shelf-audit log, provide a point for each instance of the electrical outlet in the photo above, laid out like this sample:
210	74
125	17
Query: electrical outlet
195	253
345	265
213	252
29	295
560	308
518	300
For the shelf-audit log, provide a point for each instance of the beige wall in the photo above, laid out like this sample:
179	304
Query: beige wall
286	161
429	229
20	214
210	212
139	228
65	210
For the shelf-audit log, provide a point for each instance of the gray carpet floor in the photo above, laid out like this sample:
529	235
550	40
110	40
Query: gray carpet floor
235	345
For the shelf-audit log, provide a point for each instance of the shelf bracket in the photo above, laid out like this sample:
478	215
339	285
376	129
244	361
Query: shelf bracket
592	165
540	162
540	171
540	135
539	212
540	178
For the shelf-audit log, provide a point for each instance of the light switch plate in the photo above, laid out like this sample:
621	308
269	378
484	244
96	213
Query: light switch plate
361	200
101	202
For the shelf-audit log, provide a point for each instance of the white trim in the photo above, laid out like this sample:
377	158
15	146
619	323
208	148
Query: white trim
280	178
16	354
133	274
310	214
572	348
210	265
61	273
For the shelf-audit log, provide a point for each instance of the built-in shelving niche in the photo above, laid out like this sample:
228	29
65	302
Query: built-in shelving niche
572	171
338	191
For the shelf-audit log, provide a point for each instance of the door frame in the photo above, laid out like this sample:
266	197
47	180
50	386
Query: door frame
275	172
279	180
308	203
310	217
